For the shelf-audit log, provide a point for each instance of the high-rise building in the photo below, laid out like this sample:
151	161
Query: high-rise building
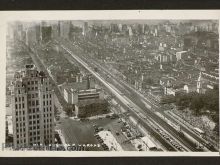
46	33
85	28
32	108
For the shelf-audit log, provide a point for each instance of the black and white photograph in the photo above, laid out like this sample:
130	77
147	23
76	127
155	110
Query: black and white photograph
144	85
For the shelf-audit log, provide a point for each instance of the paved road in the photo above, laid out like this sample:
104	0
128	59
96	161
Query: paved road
123	100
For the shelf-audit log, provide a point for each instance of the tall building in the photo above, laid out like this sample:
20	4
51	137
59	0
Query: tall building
32	108
46	33
85	28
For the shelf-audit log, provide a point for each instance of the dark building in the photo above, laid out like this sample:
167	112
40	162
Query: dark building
46	33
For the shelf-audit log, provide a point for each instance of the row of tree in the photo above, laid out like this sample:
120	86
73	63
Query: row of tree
198	103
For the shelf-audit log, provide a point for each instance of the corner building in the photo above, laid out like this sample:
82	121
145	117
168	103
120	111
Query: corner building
32	108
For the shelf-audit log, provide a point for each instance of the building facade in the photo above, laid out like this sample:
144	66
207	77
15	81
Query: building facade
32	108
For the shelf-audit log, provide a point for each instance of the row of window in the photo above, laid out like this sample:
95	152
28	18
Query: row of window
17	125
20	113
19	99
34	122
47	120
32	82
34	116
34	95
20	130
33	110
18	142
20	119
34	133
47	110
18	106
48	102
47	115
32	88
20	135
47	95
34	138
33	102
47	126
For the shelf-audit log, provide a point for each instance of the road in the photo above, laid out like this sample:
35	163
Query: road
140	100
117	92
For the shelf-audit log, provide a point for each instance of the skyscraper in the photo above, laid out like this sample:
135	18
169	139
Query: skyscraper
32	108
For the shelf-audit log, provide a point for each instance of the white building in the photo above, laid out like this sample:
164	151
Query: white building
32	108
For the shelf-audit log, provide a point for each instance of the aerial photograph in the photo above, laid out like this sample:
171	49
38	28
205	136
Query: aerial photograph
112	85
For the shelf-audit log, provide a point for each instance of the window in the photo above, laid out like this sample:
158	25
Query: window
16	106
19	106
28	83
50	102
50	95
32	95
22	105
37	102
37	109
19	99
43	102
35	82
23	112
33	110
16	113
16	99
36	88
22	98
32	82
33	103
44	96
30	117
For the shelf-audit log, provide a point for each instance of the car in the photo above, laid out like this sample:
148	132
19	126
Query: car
128	134
100	129
100	140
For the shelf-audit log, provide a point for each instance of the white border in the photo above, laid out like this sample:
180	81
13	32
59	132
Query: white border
6	16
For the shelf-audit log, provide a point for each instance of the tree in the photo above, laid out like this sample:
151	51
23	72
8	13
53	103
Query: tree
196	104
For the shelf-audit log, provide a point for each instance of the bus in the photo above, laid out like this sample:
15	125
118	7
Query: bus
199	131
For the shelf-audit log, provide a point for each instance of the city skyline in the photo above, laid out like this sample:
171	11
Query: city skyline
130	85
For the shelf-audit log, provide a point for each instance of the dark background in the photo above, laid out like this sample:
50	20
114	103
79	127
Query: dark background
110	5
107	4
